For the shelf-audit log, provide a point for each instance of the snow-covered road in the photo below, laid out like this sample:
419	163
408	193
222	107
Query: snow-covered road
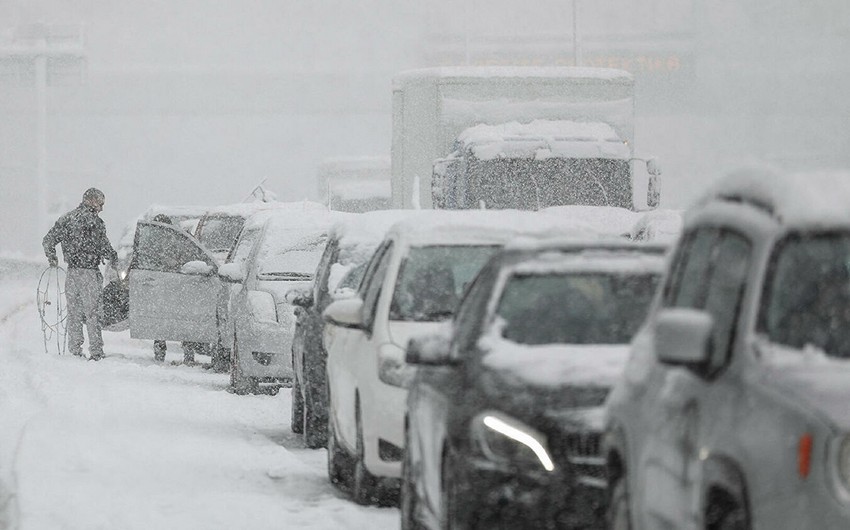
127	443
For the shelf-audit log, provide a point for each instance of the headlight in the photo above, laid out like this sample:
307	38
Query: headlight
506	440
844	462
392	369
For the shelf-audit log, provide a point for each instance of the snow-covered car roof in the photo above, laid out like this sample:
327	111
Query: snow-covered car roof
543	139
608	219
368	228
247	209
486	226
307	214
802	200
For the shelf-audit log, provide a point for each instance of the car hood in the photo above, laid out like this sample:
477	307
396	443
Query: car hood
551	377
822	383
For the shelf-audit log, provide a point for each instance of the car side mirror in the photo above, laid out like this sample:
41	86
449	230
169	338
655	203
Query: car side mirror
346	313
232	273
683	337
430	350
653	167
300	297
197	268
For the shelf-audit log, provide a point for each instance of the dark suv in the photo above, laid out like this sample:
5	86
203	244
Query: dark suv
733	410
504	414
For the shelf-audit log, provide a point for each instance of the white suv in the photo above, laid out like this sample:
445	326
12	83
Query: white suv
732	411
411	287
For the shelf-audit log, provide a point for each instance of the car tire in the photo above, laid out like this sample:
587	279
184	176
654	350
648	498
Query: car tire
364	485
409	499
619	514
339	462
296	418
729	515
239	383
314	426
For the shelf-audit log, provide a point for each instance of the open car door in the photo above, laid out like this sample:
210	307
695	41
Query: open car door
173	286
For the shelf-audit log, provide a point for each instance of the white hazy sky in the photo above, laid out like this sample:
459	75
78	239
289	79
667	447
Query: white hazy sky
195	101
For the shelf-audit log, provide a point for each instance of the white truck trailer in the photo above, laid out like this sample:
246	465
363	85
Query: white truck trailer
354	184
516	137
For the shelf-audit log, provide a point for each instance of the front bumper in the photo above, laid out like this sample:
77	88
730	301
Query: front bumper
490	496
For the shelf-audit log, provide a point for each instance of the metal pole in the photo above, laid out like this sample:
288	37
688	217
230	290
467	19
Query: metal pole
576	39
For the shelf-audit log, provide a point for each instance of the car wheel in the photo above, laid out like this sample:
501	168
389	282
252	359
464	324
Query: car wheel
619	516
409	498
339	462
239	383
364	487
315	425
296	418
727	513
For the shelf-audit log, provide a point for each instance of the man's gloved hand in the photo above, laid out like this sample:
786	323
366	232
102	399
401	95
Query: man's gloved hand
53	262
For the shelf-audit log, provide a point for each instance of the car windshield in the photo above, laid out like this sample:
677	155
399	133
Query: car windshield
808	295
219	233
292	262
575	308
432	279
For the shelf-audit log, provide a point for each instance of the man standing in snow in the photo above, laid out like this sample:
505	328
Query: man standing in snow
82	234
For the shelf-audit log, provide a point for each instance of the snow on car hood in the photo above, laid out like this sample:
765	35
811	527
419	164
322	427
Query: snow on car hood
822	382
557	365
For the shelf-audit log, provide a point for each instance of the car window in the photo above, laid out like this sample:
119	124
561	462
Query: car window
729	264
374	285
686	284
218	233
243	247
574	308
806	299
432	279
164	248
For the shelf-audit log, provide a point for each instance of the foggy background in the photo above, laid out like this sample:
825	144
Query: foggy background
197	101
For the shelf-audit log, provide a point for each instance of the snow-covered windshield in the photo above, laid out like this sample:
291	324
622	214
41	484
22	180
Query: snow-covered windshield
290	265
808	294
291	262
574	308
219	233
432	279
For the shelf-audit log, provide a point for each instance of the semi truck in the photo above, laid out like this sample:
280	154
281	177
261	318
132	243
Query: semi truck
517	137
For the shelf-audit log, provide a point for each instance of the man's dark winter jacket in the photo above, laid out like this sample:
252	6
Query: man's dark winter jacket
83	237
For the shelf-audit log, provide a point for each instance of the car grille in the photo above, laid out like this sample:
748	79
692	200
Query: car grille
583	453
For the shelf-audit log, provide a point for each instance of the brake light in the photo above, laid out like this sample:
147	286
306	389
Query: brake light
804	455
